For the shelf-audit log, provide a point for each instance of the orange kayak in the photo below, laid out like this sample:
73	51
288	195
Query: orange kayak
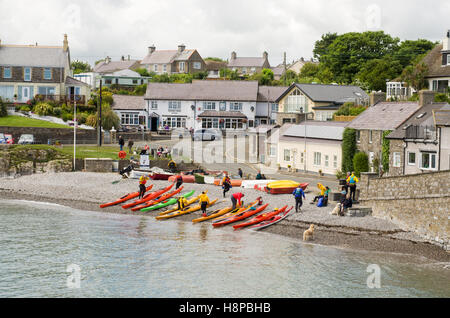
233	213
148	197
261	218
186	179
241	216
125	198
155	201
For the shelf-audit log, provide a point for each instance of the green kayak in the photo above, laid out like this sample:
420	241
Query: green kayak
167	203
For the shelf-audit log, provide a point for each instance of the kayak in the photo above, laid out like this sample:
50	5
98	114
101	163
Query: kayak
261	218
186	179
243	209
184	211
274	220
160	176
166	203
158	200
241	216
125	198
148	197
280	190
215	214
199	178
175	208
234	183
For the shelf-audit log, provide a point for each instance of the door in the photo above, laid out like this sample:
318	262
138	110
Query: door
154	124
25	94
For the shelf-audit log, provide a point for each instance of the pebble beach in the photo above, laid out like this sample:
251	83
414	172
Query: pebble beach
86	191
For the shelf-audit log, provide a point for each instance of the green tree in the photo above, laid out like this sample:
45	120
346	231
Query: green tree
143	72
3	110
265	77
385	150
215	59
374	73
321	46
80	67
309	70
409	50
349	149
414	76
360	163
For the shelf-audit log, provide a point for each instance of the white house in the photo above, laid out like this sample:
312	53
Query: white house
131	110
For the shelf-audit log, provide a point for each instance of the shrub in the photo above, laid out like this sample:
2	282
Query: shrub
110	120
385	148
67	108
360	163
91	120
3	110
81	118
349	149
43	109
67	116
25	108
57	111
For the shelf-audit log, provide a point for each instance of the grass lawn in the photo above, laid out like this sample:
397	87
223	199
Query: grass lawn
19	121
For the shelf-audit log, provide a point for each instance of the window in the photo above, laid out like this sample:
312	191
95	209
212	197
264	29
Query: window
235	106
7	72
174	122
274	107
411	158
273	151
197	65
135	81
371	157
317	159
296	102
358	136
165	68
181	66
7	93
448	59
428	161
287	155
209	106
302	158
223	106
253	69
396	160
47	73
335	162
27	74
44	90
244	70
174	106
155	68
129	119
370	136
108	81
154	105
327	161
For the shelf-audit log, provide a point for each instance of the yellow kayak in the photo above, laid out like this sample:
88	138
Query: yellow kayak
185	211
283	184
175	207
233	213
215	214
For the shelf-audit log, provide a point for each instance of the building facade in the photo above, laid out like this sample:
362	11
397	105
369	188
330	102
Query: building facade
248	65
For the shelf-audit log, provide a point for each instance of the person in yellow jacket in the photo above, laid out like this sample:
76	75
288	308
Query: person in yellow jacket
142	188
351	182
323	190
182	202
204	201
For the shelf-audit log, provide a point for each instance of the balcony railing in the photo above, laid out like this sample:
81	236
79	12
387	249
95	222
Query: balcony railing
421	132
80	99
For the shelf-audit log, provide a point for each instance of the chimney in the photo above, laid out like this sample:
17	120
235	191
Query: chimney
446	42
123	58
65	43
377	97
426	97
302	59
151	49
107	60
265	55
233	55
181	48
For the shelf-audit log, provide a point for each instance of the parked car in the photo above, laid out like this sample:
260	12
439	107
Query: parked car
3	139
207	134
9	139
26	139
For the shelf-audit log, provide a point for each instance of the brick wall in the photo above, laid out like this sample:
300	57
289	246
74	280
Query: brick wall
418	203
65	136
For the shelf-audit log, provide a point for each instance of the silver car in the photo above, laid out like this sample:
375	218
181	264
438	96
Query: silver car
207	134
26	139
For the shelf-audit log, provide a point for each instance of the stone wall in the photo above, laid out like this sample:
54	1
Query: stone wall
396	146
98	165
42	135
418	203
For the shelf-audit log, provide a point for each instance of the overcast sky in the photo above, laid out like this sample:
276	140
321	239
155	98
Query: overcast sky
215	28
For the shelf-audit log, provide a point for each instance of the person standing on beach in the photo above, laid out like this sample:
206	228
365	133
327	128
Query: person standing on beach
236	199
204	201
352	181
226	184
130	145
299	195
182	202
142	188
240	173
179	181
121	143
346	182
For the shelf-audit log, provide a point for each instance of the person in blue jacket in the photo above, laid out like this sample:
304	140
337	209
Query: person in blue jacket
299	195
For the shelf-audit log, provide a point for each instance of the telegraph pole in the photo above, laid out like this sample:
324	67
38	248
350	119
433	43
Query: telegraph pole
99	119
75	122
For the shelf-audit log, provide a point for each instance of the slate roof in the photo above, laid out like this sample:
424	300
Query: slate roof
434	62
128	102
422	117
204	91
167	56
442	117
278	70
33	56
73	81
215	65
317	130
384	116
247	62
329	93
114	66
270	93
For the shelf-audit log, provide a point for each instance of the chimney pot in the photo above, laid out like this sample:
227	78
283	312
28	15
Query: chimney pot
233	55
377	97
151	49
181	48
426	97
265	55
65	43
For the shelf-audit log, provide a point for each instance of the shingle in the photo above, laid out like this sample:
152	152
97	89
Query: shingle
114	66
128	102
270	93
317	130
442	117
333	93
434	62
33	56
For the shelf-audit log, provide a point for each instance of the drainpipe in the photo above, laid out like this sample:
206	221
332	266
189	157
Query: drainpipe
405	160
440	145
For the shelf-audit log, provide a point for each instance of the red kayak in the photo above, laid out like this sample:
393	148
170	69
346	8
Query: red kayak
148	197
125	198
155	201
241	216
274	220
261	218
160	176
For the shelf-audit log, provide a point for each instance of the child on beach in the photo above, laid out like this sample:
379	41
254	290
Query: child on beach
204	201
142	188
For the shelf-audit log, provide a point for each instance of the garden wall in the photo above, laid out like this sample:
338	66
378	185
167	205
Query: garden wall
42	135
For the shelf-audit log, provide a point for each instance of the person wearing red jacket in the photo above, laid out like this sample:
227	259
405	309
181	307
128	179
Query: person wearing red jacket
236	199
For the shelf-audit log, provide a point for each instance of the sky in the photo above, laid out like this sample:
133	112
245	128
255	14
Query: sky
116	28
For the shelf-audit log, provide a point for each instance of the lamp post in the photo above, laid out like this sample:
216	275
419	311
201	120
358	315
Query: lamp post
99	120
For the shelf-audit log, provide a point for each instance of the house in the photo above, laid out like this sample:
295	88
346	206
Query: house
296	66
266	105
179	61
108	66
319	101
248	65
438	74
225	105
278	72
132	110
442	124
30	70
125	78
382	117
311	147
214	67
415	145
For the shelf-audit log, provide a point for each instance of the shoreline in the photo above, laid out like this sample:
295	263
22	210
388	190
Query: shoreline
365	234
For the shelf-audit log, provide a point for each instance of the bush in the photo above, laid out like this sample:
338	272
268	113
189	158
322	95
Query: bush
110	120
57	111
349	149
91	120
25	108
67	116
3	110
81	118
385	148
67	108
350	109
360	163
43	109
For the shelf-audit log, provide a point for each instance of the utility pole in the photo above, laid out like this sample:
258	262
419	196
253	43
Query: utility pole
75	122
99	119
285	68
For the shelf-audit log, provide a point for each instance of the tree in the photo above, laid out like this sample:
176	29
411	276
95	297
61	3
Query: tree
374	73
143	72
321	46
265	77
80	67
409	50
385	150
43	109
288	78
215	59
360	163
349	109
3	110
414	76
349	149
